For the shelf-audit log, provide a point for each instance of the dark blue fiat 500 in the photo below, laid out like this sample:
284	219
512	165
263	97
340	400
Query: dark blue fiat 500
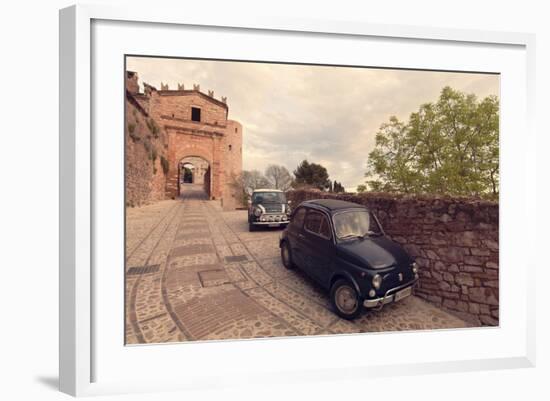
342	246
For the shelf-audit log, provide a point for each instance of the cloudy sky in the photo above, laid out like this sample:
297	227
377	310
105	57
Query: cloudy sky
327	115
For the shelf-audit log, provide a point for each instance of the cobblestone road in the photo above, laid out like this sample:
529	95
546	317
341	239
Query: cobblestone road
194	272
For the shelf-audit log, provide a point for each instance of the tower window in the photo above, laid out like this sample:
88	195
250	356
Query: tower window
235	129
229	147
195	114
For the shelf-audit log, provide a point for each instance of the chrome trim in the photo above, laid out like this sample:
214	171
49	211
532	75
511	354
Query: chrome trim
388	296
263	223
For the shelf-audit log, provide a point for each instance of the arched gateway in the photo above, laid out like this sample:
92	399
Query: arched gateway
194	173
201	145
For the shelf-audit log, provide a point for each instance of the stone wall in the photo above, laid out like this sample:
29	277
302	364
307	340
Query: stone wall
146	146
454	241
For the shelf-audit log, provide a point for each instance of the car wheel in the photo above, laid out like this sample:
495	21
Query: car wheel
286	256
345	299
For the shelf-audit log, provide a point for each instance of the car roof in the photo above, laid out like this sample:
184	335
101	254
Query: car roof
332	204
267	190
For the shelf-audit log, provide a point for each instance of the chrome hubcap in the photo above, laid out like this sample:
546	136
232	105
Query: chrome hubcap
345	298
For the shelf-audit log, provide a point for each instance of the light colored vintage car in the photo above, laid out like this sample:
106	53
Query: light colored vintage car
268	207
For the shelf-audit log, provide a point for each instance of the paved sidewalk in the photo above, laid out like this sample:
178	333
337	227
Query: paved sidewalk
194	272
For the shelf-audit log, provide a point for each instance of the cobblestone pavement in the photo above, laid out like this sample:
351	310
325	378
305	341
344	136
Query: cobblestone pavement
194	272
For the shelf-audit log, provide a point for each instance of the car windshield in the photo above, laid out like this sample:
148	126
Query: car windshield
268	197
355	224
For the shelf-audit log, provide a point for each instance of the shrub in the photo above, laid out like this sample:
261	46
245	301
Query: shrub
147	145
153	127
164	164
132	132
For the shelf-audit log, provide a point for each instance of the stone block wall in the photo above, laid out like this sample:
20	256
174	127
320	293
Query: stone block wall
454	241
146	146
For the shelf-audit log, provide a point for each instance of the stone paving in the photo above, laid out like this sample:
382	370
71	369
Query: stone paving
194	272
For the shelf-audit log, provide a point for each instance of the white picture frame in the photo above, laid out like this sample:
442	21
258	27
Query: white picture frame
84	355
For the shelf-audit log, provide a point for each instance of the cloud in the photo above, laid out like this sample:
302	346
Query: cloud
329	115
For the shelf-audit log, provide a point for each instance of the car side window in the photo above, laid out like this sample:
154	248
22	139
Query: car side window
317	223
325	228
298	218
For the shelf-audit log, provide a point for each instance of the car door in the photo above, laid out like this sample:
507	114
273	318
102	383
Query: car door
295	236
318	248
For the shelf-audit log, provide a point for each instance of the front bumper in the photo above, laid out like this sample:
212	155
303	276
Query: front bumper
269	223
266	219
401	292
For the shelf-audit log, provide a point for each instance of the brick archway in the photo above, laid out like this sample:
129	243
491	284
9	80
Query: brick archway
201	172
182	146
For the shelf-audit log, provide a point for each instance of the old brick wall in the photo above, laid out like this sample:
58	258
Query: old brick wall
176	136
233	164
146	146
172	109
454	241
174	104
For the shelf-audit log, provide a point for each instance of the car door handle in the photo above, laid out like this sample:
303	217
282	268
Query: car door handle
300	235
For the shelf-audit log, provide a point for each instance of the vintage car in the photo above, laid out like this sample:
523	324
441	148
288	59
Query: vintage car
342	246
268	207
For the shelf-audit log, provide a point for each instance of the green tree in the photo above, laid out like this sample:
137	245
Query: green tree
311	174
447	147
338	187
361	188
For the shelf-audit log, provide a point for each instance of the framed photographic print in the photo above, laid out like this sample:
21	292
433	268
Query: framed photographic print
348	194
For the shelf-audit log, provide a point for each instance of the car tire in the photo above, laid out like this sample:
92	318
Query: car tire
345	299
286	256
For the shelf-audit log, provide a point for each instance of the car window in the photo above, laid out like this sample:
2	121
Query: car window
355	223
268	197
325	228
317	224
298	218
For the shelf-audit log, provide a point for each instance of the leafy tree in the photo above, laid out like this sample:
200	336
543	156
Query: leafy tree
447	147
361	188
311	174
278	177
338	187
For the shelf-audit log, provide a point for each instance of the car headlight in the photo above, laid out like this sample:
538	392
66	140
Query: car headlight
257	212
288	209
377	281
414	267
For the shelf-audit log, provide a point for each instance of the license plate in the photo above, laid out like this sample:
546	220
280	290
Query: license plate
273	225
403	294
